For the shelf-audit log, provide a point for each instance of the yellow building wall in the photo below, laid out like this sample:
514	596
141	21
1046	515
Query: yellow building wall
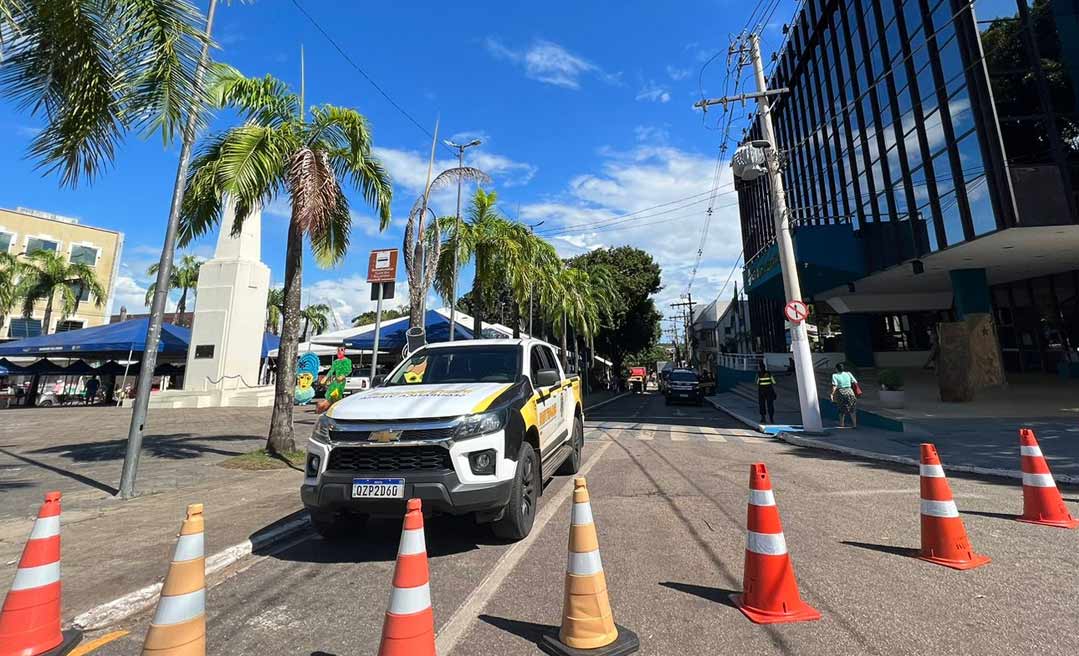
23	225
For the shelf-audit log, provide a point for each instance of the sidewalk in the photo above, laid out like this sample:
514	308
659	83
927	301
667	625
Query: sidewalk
113	547
987	445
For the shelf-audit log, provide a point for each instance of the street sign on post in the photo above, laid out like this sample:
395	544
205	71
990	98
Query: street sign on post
796	311
381	269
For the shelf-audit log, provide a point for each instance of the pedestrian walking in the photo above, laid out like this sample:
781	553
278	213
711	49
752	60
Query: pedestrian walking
844	396
92	386
766	393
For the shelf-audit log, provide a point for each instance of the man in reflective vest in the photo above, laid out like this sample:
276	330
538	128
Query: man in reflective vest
766	393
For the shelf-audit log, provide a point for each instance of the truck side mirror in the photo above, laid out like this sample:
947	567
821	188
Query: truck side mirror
547	377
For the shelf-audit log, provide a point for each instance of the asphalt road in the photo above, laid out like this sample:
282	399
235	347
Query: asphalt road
668	488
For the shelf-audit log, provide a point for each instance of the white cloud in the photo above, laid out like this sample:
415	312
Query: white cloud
676	73
349	297
127	292
549	63
653	92
638	181
651	134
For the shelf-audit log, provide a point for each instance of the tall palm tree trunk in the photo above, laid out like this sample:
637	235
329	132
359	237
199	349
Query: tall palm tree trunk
477	293
47	320
564	353
281	438
181	307
517	320
306	327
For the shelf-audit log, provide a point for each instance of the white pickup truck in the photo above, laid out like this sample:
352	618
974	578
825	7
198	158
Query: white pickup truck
470	427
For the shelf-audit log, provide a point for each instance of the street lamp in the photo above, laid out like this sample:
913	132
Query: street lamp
457	229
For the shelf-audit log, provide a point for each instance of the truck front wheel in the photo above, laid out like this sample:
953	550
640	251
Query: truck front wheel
520	512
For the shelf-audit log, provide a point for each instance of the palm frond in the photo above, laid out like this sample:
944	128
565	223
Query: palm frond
264	101
330	242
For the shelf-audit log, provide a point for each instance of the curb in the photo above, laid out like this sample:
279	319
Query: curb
755	425
142	599
610	400
808	442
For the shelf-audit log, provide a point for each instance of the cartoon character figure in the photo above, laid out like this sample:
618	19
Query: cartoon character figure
335	383
306	372
415	372
304	390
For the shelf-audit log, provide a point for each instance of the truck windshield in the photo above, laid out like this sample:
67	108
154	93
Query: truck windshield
684	377
469	364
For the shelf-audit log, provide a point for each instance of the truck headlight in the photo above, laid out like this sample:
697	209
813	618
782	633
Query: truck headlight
322	429
481	424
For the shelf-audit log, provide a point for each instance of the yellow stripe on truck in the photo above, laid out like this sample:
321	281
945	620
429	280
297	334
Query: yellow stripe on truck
528	412
484	404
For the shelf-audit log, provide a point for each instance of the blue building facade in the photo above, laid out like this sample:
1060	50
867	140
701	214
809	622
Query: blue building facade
931	162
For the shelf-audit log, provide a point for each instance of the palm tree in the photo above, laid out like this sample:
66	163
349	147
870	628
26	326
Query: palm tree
10	272
48	275
185	277
577	298
315	316
275	305
95	71
279	150
498	247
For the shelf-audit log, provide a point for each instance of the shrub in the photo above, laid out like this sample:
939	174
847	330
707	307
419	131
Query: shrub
891	379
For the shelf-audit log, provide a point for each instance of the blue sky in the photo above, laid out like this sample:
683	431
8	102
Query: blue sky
584	109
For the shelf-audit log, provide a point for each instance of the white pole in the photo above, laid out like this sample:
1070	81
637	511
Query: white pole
127	365
803	361
456	243
378	327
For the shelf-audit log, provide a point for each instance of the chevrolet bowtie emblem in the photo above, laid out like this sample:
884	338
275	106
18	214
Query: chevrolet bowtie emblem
384	436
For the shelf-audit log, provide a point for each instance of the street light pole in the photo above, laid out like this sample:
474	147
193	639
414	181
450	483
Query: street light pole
803	361
164	272
532	282
457	229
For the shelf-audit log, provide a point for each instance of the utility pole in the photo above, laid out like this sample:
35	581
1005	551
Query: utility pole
686	315
532	276
803	361
457	228
164	271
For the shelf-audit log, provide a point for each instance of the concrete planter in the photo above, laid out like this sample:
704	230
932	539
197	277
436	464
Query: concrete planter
893	398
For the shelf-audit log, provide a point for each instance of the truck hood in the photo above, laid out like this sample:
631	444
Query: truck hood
418	401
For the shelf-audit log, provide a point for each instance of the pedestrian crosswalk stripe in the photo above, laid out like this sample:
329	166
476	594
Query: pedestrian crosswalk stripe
675	433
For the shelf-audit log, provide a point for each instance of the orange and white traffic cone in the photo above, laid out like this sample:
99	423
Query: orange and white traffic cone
587	620
179	625
1042	503
770	590
30	617
944	538
409	628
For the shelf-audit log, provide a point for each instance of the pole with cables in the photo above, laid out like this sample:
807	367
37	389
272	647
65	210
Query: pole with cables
457	231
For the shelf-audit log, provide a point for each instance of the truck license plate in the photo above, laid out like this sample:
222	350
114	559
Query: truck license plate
378	488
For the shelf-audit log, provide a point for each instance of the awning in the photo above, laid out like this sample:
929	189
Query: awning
392	335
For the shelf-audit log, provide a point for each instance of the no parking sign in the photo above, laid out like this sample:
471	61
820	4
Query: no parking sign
796	311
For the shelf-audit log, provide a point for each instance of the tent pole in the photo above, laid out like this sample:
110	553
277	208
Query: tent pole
120	399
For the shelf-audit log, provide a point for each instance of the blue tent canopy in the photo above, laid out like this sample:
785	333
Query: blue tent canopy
110	341
392	336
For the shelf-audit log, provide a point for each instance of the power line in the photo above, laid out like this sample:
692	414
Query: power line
345	55
639	214
637	225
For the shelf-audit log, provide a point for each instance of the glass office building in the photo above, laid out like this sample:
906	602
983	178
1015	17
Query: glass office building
931	163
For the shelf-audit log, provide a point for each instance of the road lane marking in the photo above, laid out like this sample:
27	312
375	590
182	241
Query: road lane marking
88	647
712	435
462	619
679	435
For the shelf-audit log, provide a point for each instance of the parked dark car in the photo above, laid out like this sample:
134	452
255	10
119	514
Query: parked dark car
684	385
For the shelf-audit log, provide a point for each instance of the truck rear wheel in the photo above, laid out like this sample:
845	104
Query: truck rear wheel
572	464
520	512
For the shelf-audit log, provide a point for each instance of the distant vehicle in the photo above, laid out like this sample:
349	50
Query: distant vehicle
470	427
684	385
637	378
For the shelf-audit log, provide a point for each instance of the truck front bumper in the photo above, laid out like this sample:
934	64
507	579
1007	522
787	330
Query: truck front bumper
441	492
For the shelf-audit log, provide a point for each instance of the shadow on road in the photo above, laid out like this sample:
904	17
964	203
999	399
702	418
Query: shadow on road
175	446
85	480
992	515
530	631
15	485
378	539
716	595
906	552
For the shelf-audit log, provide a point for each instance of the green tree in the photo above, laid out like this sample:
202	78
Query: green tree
315	316
368	318
10	273
279	150
634	323
48	276
93	71
275	305
185	277
577	299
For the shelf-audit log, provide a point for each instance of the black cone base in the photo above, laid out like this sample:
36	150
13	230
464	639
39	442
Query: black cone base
72	637
626	643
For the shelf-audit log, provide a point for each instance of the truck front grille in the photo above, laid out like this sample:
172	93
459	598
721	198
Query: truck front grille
389	459
421	434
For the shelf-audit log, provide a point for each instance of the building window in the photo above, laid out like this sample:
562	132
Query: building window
35	244
84	255
82	293
23	327
5	241
64	326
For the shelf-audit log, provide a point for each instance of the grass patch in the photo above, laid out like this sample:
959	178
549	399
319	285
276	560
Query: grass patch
261	460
